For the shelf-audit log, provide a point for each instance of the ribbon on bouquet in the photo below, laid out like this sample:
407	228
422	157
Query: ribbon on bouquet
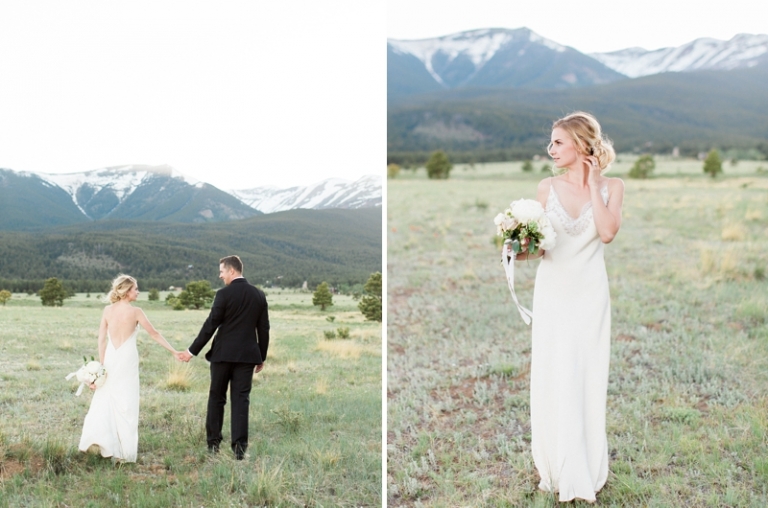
79	388
508	260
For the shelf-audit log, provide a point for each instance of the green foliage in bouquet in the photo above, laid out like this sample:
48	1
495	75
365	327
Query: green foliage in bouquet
531	232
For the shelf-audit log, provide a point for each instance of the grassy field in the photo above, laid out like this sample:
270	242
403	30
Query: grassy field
315	426
687	415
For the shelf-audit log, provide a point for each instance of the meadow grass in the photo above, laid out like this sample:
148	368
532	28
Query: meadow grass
687	414
315	418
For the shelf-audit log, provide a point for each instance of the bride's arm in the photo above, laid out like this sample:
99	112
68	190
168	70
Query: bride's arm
156	336
103	336
608	218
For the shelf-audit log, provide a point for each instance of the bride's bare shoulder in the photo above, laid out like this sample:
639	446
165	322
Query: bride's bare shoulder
545	184
615	184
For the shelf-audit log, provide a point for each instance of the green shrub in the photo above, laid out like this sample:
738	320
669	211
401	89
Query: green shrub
438	166
643	167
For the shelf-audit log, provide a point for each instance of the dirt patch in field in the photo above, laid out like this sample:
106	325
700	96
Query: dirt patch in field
12	467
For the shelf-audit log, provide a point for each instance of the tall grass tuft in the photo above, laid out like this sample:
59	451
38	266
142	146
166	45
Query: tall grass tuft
340	349
179	376
752	311
269	486
734	233
57	457
327	458
321	386
289	420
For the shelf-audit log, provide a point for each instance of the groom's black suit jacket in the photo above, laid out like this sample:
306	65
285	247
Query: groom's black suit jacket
239	312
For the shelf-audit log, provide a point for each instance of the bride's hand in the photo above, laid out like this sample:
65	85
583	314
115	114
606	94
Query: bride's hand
593	167
92	386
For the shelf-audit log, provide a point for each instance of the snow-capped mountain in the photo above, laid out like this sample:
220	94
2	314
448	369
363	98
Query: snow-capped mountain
142	192
158	193
743	50
476	46
331	193
492	57
117	182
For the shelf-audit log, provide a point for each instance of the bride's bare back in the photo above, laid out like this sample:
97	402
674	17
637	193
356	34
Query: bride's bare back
121	320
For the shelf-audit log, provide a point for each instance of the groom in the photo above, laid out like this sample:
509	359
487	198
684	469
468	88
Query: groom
239	313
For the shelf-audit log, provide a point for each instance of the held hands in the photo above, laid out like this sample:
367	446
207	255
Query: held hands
183	356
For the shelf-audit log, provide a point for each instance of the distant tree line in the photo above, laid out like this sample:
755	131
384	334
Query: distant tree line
340	247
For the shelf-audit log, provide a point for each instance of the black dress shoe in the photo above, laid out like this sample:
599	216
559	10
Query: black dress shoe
213	449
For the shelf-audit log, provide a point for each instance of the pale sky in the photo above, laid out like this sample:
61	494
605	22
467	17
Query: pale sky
239	94
586	25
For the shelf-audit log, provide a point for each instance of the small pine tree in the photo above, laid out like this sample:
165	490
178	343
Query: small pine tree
322	296
438	166
197	294
712	164
527	166
643	167
370	304
53	293
5	295
392	170
154	295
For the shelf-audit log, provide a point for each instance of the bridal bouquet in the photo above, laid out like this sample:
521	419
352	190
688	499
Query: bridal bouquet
90	373
526	226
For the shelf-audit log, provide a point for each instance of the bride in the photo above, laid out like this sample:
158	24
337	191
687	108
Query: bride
112	422
571	330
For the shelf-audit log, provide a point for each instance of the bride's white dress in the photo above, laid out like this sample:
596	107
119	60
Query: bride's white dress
112	421
570	357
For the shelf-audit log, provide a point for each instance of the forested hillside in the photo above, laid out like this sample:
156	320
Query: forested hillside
342	247
695	111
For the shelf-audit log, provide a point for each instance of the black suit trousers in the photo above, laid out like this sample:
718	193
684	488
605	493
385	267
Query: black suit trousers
239	378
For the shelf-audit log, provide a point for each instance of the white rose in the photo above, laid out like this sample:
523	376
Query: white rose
497	220
548	242
527	210
508	223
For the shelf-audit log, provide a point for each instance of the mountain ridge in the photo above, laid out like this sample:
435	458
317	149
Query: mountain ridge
493	57
521	58
706	53
143	192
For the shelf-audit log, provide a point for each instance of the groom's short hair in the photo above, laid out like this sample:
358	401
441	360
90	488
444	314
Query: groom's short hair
233	262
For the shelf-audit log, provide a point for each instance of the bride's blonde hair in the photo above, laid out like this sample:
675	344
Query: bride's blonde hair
588	137
120	287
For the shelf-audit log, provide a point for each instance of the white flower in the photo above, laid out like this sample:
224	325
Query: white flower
91	372
508	223
527	210
548	242
497	220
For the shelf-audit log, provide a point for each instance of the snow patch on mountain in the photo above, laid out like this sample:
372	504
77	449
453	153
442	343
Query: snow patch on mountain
478	45
743	50
122	181
329	193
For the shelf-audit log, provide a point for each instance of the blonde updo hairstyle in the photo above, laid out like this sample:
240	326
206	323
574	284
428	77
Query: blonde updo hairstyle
588	137
120	287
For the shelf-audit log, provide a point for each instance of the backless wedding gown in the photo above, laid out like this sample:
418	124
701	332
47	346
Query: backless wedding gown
112	421
570	356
